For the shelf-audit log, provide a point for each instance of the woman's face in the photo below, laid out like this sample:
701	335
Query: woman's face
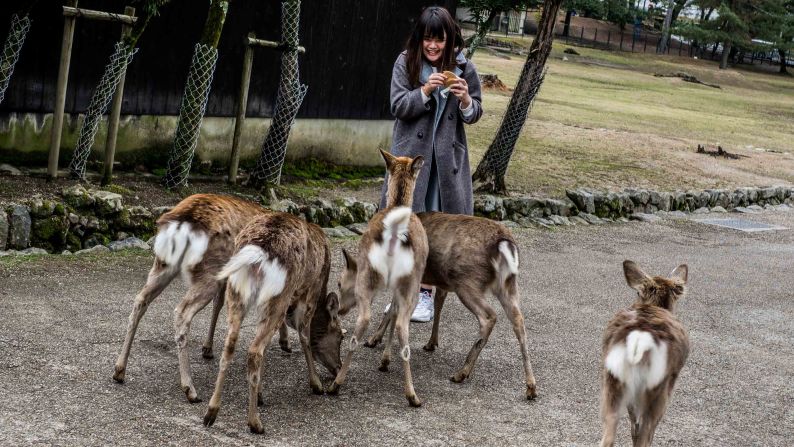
433	48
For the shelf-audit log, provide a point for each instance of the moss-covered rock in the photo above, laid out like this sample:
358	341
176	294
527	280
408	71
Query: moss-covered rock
50	233
78	197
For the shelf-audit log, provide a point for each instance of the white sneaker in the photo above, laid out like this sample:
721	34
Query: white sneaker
423	312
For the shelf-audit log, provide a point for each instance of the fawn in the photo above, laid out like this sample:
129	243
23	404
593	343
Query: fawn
644	349
196	238
281	265
391	253
470	256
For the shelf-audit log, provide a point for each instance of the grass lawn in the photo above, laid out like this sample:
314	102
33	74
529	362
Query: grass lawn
602	120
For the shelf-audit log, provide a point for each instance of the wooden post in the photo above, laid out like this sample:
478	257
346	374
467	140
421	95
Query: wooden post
242	102
621	41
115	112
595	38
60	92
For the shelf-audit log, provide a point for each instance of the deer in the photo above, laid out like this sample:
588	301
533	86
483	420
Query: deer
196	239
644	349
391	254
280	267
472	257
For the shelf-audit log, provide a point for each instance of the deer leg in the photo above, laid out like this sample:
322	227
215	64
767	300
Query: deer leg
365	290
381	330
611	404
217	305
438	303
273	316
160	276
486	316
656	404
236	315
635	426
283	337
509	299
405	299
304	332
199	295
385	357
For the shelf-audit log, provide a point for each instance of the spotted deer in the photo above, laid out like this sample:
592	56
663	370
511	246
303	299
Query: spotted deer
391	254
644	349
280	266
471	256
196	239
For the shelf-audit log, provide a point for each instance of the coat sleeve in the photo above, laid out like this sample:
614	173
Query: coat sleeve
473	79
406	102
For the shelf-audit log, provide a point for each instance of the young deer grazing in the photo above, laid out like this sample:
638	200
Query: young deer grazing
196	239
280	267
391	254
470	256
644	349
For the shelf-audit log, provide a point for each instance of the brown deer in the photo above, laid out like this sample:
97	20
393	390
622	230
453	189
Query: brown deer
644	349
470	256
196	239
281	264
391	253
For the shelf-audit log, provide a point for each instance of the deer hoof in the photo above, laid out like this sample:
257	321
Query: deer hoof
332	390
430	347
256	427
414	401
371	343
317	390
286	348
119	375
458	377
191	395
384	366
206	352
531	392
209	416
259	400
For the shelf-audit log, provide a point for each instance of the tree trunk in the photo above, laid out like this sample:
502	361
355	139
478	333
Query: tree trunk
782	54
482	30
568	17
493	166
668	18
726	51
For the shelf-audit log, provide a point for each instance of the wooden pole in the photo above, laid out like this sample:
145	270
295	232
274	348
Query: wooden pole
242	101
60	92
127	19
115	112
268	43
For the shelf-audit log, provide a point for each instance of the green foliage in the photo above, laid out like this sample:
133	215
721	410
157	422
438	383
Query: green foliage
585	8
314	169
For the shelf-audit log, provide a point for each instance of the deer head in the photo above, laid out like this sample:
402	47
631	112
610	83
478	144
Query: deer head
657	290
326	333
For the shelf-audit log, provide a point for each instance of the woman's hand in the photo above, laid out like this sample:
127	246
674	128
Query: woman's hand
461	90
433	82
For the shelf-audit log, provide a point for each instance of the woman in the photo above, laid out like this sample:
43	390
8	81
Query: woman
430	118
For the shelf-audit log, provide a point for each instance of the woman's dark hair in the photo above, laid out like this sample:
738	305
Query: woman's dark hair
435	22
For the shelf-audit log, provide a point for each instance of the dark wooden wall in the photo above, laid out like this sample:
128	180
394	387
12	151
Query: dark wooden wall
351	46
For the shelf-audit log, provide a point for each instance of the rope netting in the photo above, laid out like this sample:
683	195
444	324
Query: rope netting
191	112
497	157
290	97
100	100
11	49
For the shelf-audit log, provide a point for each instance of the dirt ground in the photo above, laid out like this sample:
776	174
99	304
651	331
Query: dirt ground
62	322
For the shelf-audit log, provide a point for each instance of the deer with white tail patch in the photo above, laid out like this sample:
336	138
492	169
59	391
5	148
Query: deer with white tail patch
644	349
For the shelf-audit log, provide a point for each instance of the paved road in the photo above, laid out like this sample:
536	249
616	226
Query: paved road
62	323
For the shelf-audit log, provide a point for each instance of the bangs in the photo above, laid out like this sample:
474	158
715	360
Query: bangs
435	28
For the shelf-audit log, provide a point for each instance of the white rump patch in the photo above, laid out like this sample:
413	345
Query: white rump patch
390	258
178	245
511	259
254	275
624	362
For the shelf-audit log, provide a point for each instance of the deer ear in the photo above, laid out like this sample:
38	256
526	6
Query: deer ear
332	304
350	263
417	164
681	273
388	158
635	277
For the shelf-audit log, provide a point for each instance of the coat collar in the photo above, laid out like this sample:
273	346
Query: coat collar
427	69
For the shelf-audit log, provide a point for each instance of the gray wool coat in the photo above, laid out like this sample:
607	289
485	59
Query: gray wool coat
417	133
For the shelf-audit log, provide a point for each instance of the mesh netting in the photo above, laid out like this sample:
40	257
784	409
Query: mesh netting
191	112
13	45
100	101
290	97
494	163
